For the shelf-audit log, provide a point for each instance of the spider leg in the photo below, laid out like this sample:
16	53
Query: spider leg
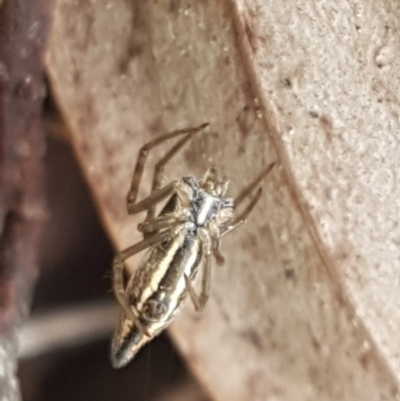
167	220
118	275
160	194
238	221
141	161
159	168
199	301
247	190
154	198
219	258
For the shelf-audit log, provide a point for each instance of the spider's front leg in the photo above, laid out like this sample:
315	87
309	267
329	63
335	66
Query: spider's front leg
242	218
141	161
245	193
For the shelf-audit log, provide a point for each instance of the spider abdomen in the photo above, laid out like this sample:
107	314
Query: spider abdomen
160	295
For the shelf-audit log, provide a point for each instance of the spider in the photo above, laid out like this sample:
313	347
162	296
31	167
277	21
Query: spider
180	241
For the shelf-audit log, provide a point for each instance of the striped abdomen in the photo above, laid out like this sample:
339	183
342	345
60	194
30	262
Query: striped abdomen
157	293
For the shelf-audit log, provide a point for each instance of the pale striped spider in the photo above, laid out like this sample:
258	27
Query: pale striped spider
179	240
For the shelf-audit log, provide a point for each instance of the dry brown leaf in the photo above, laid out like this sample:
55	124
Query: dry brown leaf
306	307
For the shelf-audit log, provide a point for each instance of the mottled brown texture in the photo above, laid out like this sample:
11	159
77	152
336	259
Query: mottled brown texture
291	315
23	29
